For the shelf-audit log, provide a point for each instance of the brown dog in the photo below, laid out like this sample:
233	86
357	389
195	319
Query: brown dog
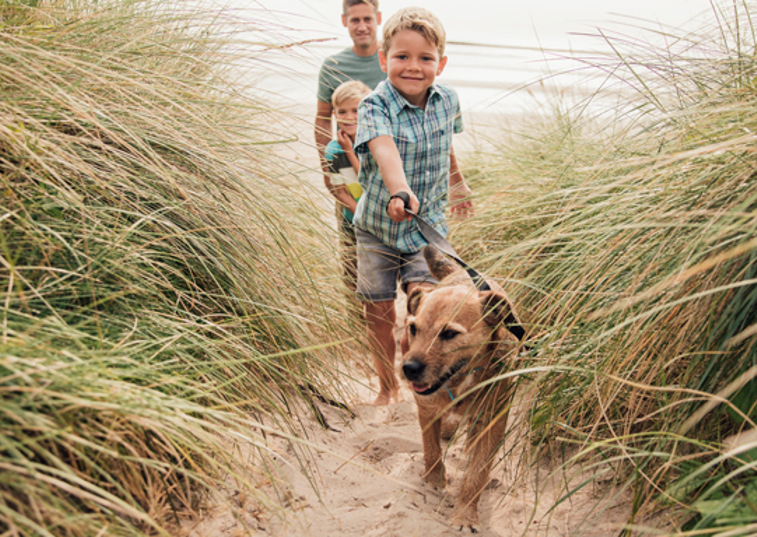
457	340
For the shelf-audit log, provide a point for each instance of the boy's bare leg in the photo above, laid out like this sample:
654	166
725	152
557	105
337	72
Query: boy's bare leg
380	318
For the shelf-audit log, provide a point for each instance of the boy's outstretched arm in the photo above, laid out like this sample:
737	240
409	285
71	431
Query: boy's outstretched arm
385	152
460	203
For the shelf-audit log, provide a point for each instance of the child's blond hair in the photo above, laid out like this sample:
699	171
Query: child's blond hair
352	89
418	19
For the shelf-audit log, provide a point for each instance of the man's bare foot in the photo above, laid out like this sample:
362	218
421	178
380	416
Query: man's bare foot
384	398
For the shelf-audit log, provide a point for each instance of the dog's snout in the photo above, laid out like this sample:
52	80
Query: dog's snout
413	369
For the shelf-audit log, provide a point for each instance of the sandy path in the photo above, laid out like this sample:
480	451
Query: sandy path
367	471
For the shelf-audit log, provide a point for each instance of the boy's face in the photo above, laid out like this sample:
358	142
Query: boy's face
362	23
412	65
346	116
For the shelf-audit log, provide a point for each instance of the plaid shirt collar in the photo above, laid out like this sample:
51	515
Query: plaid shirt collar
399	103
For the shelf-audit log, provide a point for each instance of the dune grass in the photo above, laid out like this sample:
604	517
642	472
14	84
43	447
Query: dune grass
631	249
163	280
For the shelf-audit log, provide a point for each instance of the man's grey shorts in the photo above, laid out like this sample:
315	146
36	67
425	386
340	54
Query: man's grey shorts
379	266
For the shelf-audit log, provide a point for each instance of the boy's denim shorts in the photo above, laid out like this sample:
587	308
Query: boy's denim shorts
379	266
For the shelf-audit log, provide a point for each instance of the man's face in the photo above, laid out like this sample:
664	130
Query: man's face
362	23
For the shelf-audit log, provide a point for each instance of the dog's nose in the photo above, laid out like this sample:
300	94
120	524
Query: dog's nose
413	369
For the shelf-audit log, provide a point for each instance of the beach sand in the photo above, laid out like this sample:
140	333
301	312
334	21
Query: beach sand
366	472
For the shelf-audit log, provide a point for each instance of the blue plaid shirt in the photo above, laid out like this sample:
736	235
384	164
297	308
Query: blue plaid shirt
424	141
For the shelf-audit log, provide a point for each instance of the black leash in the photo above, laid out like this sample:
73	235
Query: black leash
435	238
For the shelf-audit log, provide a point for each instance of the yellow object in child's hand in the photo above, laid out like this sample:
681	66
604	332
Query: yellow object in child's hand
355	190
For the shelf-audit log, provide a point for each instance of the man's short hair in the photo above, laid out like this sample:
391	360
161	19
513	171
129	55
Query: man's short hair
417	19
352	89
346	4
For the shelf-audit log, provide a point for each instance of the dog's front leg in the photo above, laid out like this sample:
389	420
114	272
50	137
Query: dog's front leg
431	428
483	443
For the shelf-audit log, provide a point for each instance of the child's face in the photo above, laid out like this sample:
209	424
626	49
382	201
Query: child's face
346	116
412	65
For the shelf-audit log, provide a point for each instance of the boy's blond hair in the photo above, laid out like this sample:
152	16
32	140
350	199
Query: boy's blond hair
352	89
418	19
346	4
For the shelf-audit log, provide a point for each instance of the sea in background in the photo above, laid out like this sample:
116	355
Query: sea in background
504	57
509	61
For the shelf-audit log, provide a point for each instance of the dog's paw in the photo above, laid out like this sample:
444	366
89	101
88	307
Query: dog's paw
474	528
465	520
436	479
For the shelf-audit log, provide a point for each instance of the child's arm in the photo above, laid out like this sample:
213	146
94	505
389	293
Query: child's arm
460	203
385	152
346	142
344	197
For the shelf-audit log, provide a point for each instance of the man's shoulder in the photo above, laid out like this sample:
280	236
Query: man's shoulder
342	55
346	65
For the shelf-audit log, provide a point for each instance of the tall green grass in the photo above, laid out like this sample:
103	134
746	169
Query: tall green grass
162	280
631	248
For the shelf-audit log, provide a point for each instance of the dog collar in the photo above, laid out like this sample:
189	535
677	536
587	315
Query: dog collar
452	397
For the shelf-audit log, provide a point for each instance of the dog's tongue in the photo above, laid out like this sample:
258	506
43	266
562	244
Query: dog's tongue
420	388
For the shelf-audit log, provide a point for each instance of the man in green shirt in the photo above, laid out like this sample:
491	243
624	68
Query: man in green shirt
359	62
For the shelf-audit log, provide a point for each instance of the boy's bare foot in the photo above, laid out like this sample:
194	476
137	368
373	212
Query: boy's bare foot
385	398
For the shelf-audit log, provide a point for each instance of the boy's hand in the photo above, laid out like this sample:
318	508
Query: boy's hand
460	203
345	141
396	208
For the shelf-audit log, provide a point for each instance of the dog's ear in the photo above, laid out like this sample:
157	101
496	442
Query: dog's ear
414	300
439	264
496	308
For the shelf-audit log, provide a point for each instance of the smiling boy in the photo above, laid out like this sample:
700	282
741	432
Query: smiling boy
405	129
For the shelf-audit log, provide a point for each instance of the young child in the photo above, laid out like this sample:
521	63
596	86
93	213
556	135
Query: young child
343	166
405	132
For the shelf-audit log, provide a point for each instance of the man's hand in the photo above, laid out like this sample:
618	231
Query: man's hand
396	208
460	204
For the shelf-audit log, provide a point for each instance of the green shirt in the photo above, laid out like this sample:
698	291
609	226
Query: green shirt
344	66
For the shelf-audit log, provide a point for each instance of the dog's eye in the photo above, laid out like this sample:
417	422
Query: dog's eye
413	329
448	334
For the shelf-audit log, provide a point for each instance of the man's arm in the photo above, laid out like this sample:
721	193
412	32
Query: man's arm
460	203
385	152
323	132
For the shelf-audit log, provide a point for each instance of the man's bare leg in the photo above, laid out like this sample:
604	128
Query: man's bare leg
380	318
